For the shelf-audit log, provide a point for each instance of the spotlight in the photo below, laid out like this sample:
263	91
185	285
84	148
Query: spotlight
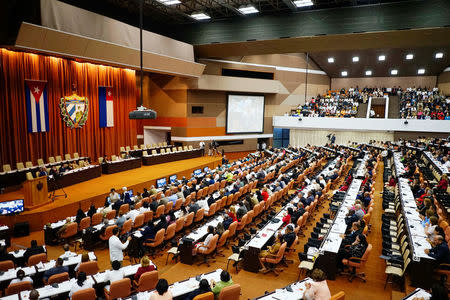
406	122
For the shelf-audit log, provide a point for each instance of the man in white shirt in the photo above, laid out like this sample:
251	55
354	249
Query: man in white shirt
116	246
21	277
115	274
113	196
67	252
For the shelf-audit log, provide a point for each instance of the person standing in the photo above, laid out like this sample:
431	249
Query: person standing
116	246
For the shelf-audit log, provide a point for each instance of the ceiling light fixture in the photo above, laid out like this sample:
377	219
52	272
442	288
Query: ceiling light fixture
382	57
331	60
355	58
409	56
394	72
169	2
439	55
200	16
344	73
368	73
303	3
249	9
421	71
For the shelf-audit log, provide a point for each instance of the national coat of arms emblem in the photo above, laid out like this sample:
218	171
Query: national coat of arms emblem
74	110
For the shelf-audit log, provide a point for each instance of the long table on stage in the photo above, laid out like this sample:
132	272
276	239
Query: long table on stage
121	165
15	177
168	157
74	177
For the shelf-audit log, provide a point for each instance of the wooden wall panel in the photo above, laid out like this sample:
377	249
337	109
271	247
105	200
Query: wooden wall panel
444	82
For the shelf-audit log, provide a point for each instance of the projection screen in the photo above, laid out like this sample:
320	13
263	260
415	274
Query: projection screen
245	113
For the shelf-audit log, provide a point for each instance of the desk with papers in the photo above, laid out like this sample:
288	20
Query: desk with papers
436	166
293	291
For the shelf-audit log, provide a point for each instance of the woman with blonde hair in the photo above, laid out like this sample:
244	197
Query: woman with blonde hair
145	267
84	258
318	289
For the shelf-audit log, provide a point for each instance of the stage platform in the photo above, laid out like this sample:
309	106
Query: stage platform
95	191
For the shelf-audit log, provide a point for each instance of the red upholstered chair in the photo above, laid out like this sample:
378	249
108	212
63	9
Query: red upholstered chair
170	232
84	223
139	221
158	240
199	215
126	227
204	296
6	265
119	289
209	250
168	207
212	210
231	292
147	281
57	278
221	243
274	260
37	258
111	215
96	218
189	220
18	287
357	263
148	216
108	233
124	208
86	294
89	267
179	224
71	231
159	211
338	296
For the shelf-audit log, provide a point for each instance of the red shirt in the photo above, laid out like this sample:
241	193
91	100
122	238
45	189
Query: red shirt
143	270
287	219
443	185
233	216
265	195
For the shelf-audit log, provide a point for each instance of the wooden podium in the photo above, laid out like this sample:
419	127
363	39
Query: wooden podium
36	192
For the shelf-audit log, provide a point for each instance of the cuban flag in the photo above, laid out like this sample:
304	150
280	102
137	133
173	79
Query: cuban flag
37	105
105	101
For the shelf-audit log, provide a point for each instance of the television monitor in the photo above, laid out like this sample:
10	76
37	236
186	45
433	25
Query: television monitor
11	207
161	182
172	178
206	169
197	172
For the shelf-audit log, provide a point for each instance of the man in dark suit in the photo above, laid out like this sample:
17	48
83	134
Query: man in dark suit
440	250
57	269
289	236
194	207
33	250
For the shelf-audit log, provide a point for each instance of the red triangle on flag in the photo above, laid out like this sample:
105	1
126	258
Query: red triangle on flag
36	88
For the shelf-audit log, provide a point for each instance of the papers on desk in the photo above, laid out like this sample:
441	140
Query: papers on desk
49	291
298	289
399	167
413	221
198	234
418	294
128	271
436	164
12	273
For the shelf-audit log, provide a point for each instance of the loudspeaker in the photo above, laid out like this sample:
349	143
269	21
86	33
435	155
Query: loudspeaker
21	229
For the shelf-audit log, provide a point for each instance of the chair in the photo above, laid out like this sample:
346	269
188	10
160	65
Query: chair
37	258
168	207
124	208
113	157
119	289
16	288
126	227
179	224
231	292
96	218
212	210
164	144
89	267
180	148
135	147
29	176
57	278
144	153
108	233
51	160
178	204
139	221
40	162
174	149
28	164
221	242
111	215
338	296
100	160
274	260
147	281
148	216
209	250
142	146
58	158
75	155
189	220
20	166
128	148
6	265
67	157
170	232
199	215
86	294
159	211
204	296
357	263
84	223
158	240
6	168
71	231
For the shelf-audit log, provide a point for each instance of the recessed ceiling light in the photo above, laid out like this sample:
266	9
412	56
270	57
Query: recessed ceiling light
409	56
355	58
382	57
439	55
394	72
368	73
421	71
200	16
331	60
250	9
344	73
303	3
169	2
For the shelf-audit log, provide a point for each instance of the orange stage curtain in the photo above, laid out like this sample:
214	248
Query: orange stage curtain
17	144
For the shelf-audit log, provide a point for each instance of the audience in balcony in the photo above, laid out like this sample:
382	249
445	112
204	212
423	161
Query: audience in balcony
424	104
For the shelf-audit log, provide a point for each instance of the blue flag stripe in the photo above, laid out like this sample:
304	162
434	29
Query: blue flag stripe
47	126
102	106
27	99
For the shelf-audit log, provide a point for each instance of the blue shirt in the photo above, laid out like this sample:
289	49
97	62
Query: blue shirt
173	198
